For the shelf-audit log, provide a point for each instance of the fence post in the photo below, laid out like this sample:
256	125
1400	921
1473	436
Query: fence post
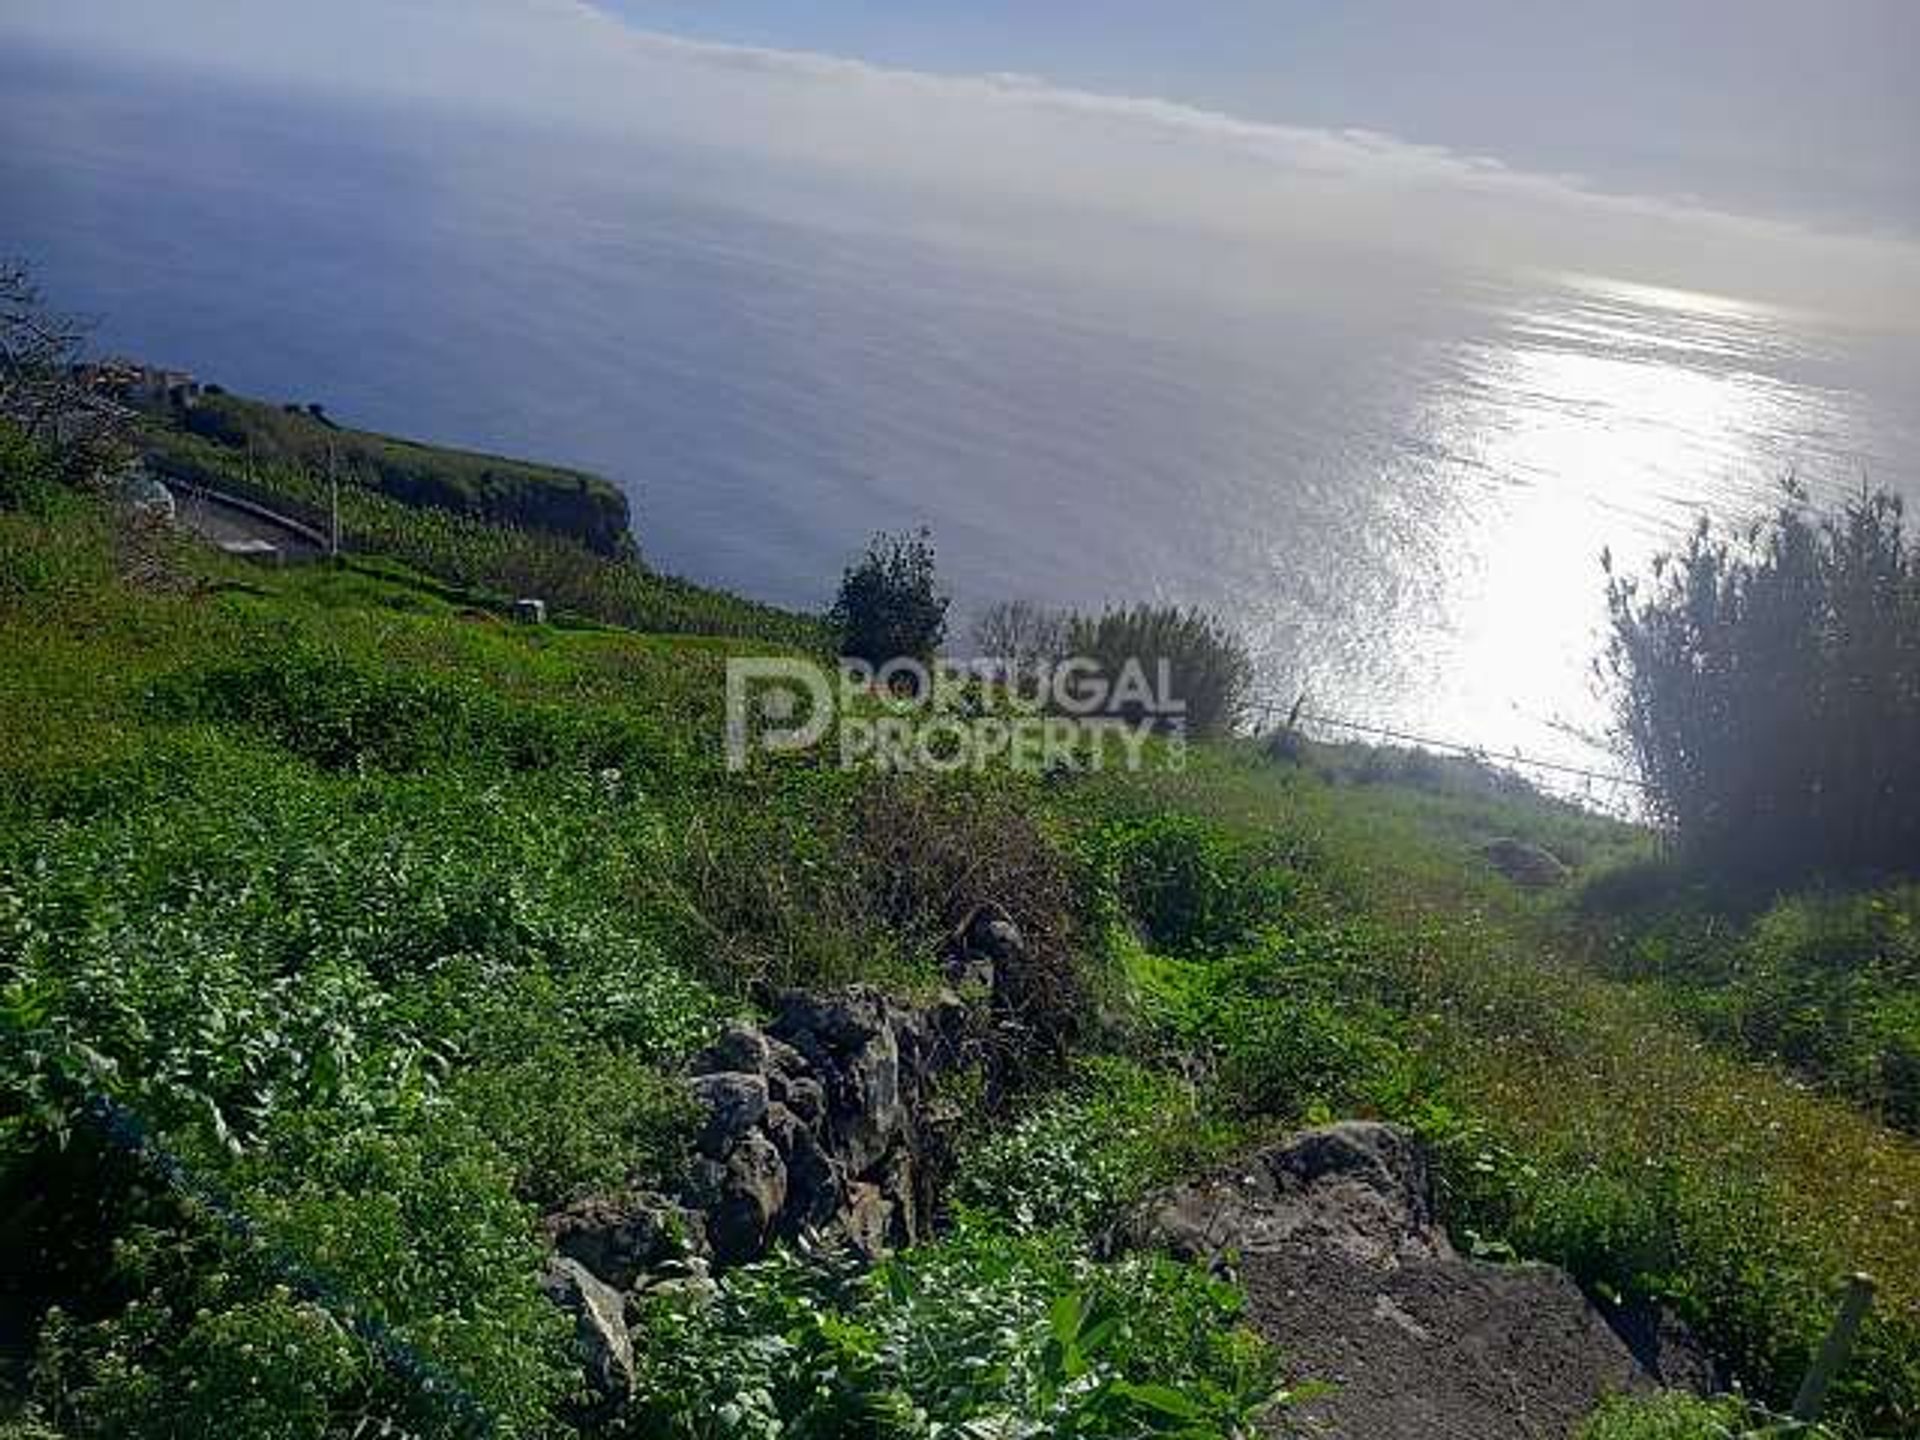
1834	1350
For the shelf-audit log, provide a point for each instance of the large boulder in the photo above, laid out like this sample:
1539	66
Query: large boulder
1336	1237
1359	1190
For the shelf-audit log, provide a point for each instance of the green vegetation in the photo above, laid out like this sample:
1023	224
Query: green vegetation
513	493
1206	664
987	1332
495	562
1682	1417
1572	1119
344	929
1769	691
1825	982
889	606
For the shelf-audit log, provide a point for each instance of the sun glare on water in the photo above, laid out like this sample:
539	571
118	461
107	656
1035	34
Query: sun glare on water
1599	415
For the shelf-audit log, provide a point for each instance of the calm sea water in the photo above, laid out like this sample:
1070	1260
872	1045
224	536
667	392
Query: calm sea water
1401	501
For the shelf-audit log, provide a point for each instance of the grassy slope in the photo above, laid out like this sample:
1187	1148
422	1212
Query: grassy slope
1615	1141
491	880
464	546
381	924
493	488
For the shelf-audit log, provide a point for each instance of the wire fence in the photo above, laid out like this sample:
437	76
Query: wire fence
1293	714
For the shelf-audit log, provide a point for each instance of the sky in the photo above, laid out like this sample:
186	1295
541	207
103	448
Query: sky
1759	148
1806	108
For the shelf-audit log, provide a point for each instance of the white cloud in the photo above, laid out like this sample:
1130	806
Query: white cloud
1081	177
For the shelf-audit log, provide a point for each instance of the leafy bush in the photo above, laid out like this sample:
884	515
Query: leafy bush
1207	667
890	606
980	1334
1076	1160
1189	888
273	1366
1769	691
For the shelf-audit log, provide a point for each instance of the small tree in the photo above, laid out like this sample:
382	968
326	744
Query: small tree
1021	635
889	606
43	394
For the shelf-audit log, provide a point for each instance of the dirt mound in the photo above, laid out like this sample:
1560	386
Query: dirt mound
1351	1276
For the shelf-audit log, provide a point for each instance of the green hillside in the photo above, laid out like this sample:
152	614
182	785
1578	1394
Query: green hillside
346	929
499	491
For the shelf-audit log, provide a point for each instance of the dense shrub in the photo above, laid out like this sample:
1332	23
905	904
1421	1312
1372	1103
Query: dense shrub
890	606
1207	667
1184	884
1769	690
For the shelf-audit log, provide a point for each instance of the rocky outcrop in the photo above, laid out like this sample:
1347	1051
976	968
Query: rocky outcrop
821	1121
1336	1239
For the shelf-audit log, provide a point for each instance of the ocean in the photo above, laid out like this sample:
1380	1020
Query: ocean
1397	485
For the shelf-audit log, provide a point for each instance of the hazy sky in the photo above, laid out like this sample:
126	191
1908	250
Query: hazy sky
1759	148
1810	107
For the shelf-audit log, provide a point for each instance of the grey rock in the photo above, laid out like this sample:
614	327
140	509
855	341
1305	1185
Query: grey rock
805	1096
868	1220
600	1325
782	1058
1525	865
816	1186
991	934
822	1120
1346	1268
740	1048
752	1193
621	1237
1359	1189
734	1103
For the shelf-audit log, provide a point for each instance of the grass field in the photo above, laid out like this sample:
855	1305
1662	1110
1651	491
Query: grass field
344	926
